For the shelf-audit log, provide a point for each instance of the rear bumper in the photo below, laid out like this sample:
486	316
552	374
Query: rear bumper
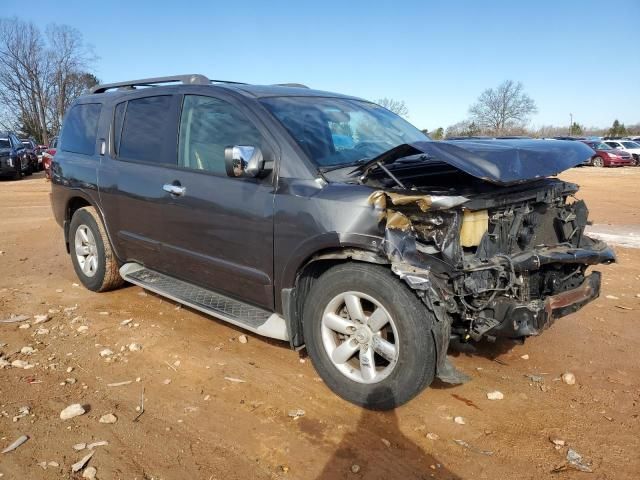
527	319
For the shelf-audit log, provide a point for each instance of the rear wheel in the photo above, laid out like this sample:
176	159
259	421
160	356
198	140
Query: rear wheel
91	253
18	173
369	336
598	162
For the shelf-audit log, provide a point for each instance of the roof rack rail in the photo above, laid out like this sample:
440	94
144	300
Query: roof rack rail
295	85
193	79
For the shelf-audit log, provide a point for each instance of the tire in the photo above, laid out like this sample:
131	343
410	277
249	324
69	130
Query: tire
597	162
18	173
405	371
97	267
29	171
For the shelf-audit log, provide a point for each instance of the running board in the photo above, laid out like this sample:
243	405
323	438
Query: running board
233	311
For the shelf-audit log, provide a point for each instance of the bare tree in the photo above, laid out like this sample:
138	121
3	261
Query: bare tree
396	106
503	108
40	76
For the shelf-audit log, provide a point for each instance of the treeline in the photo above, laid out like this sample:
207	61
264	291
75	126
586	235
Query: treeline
41	73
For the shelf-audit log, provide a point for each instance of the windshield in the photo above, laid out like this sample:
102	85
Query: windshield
336	131
600	146
630	145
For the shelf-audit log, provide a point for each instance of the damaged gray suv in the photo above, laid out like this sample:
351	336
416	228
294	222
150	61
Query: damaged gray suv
325	221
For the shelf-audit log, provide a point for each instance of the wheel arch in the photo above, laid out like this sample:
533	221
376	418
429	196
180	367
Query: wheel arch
75	202
308	272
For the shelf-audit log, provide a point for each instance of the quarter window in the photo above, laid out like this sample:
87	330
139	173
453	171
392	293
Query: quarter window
145	130
80	127
207	126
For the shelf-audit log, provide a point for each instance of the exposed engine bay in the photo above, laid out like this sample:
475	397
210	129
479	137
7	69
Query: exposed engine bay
489	261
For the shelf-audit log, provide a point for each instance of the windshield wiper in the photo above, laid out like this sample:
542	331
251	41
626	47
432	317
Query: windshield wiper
362	161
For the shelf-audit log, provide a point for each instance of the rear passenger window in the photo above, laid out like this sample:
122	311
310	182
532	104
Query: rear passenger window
80	128
207	126
145	130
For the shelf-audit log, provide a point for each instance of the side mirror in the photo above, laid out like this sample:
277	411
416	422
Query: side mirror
243	161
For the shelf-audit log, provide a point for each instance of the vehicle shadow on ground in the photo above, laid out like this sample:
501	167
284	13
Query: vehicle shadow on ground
365	448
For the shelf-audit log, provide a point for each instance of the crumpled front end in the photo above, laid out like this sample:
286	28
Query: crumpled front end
505	264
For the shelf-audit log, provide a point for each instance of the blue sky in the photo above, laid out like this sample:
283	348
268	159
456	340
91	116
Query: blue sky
575	57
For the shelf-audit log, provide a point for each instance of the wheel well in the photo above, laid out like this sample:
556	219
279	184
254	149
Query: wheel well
74	204
312	270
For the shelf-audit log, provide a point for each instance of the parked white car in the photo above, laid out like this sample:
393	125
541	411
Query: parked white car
628	146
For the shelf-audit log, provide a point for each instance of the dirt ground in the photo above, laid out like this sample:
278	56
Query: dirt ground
198	423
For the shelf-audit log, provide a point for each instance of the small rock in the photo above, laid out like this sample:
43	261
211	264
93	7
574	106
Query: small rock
355	468
93	445
432	436
27	350
59	290
612	297
386	442
166	381
569	378
69	369
103	313
42	331
70	380
242	339
79	446
524	357
106	352
73	410
126	322
459	420
24	326
558	443
234	380
79	465
108	418
495	395
296	413
21	364
90	473
135	347
82	329
53	464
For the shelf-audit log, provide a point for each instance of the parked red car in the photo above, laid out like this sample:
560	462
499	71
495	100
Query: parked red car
605	156
47	156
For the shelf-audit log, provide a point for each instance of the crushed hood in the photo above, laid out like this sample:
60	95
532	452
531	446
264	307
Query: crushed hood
503	162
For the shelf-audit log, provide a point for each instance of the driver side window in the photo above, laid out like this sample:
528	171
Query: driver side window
207	126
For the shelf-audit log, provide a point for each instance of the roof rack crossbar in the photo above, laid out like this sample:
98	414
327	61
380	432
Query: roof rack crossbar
192	79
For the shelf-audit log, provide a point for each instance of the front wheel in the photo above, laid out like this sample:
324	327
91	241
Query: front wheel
598	162
91	253
369	336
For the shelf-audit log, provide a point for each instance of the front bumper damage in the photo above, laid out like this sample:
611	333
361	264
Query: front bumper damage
512	294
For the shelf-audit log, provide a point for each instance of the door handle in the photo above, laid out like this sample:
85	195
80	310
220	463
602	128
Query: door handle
174	189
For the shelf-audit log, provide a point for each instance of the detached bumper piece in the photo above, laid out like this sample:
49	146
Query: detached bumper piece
523	320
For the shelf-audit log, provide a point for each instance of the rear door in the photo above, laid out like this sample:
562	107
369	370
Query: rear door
141	160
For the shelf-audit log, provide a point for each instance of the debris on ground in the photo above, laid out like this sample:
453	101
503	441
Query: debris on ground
93	445
296	413
73	410
16	444
242	339
612	297
575	461
79	446
557	443
459	420
386	442
108	418
569	378
82	329
355	468
495	395
15	318
41	318
135	347
535	378
22	412
80	464
106	352
470	447
119	384
432	436
27	350
524	357
235	380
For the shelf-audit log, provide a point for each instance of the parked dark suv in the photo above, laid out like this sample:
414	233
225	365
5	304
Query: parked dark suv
15	160
325	221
